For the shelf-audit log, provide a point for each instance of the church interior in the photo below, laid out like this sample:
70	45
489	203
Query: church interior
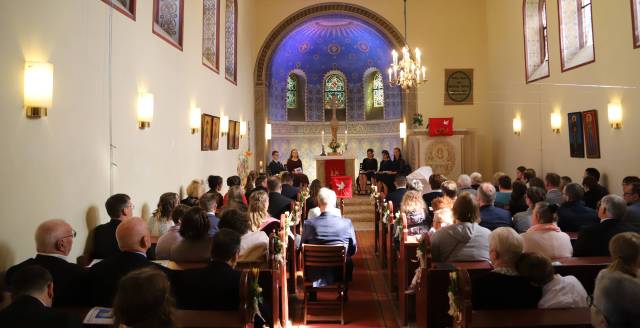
488	98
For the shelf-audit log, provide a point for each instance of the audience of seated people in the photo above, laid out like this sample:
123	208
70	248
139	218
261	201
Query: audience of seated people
253	244
435	182
465	240
593	190
171	237
144	299
443	206
517	202
464	185
573	214
395	197
632	198
160	221
476	180
234	184
616	296
491	217
522	220
209	203
259	218
594	240
33	291
278	204
558	292
260	185
195	241
414	210
552	185
528	174
215	184
503	287
195	189
235	199
503	196
54	240
119	207
288	190
520	173
544	236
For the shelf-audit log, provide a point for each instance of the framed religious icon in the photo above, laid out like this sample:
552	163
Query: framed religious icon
458	86
231	135
206	126
215	134
125	7
635	18
576	140
591	135
237	136
576	33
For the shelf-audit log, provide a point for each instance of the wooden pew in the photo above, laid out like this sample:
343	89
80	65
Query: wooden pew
382	232
390	231
577	317
376	227
406	267
432	303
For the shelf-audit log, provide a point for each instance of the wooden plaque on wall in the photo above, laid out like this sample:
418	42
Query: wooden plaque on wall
458	86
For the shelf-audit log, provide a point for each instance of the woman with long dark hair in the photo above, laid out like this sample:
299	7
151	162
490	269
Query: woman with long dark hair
160	222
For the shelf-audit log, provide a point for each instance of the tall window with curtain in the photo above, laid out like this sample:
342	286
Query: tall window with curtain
536	39
576	33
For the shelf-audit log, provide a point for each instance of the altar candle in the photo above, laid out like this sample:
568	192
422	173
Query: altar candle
323	137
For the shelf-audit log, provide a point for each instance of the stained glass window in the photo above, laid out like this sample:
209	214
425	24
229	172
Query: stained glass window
334	86
292	91
378	90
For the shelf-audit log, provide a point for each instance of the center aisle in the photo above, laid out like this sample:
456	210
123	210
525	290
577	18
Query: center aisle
369	304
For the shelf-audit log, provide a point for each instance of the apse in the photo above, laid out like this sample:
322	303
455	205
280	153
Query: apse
331	55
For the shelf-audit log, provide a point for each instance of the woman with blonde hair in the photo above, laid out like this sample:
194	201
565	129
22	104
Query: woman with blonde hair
415	211
258	215
160	222
194	191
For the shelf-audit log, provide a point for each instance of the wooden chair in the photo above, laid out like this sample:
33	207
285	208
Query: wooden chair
324	257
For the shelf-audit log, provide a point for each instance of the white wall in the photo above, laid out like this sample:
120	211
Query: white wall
58	167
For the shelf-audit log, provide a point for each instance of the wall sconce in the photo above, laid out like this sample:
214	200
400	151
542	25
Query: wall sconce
556	122
517	125
267	131
145	110
194	119
615	115
403	130
38	88
243	129
224	125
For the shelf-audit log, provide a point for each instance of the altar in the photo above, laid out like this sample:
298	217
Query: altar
336	165
445	155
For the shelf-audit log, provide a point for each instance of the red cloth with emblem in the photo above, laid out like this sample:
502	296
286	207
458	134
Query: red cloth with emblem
341	185
440	126
332	168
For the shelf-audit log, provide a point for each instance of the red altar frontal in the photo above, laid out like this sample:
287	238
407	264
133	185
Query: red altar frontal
336	169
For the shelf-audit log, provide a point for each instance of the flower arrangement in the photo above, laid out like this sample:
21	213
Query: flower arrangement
334	145
385	213
243	164
454	308
417	120
279	249
397	225
374	194
256	293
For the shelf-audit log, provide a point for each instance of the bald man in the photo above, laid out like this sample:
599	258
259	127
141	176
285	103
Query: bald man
133	240
54	239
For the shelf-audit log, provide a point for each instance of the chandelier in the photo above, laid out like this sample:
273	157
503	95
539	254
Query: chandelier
406	72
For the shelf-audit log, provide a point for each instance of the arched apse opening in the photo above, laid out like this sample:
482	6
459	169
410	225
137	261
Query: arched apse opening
405	102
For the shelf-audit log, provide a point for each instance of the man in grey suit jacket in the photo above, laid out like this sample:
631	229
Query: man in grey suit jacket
552	184
632	198
330	229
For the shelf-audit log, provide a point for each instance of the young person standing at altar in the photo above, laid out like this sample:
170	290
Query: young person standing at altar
275	167
294	164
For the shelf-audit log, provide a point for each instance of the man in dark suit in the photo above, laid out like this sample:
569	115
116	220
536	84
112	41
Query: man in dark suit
573	214
119	208
275	166
54	239
288	190
261	184
595	191
632	198
395	197
33	293
278	204
435	182
134	241
491	217
209	204
330	229
594	240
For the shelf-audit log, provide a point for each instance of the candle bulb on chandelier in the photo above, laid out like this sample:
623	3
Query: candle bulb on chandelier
424	73
418	55
394	53
390	74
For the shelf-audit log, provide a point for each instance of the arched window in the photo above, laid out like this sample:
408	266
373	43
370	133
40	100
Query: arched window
334	85
576	33
373	95
292	91
536	39
378	90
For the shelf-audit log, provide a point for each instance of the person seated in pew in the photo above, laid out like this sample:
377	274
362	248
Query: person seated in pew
144	300
172	237
312	201
476	180
288	190
504	288
215	184
134	241
594	240
195	190
465	240
544	236
552	183
558	292
250	184
232	182
54	240
278	204
195	244
414	208
616	297
435	182
594	191
260	185
573	214
522	220
209	203
235	199
160	222
330	229
258	216
443	206
119	207
632	197
395	197
254	245
491	217
564	180
33	293
464	185
504	191
518	202
301	181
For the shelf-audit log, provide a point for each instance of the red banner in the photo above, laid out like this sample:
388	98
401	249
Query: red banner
342	186
332	168
440	126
